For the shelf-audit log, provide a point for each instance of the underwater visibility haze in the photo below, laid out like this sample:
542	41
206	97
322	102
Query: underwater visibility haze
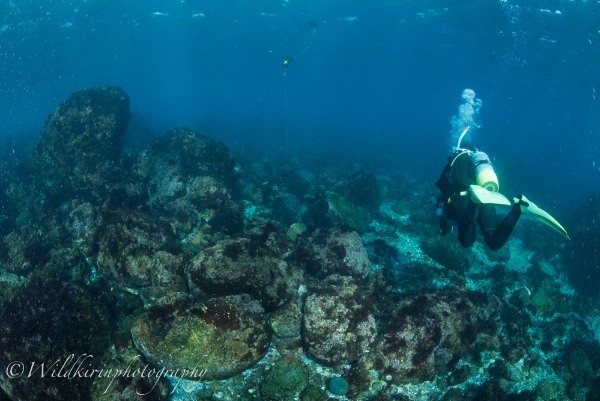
236	200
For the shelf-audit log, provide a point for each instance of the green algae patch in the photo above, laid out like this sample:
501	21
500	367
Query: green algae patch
342	212
285	381
295	230
212	341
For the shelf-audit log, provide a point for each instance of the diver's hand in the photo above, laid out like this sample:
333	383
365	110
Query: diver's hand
521	203
521	200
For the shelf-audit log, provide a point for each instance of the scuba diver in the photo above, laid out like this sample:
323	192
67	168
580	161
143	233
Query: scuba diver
286	61
469	195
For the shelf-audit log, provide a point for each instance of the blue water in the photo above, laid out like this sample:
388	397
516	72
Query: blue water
377	79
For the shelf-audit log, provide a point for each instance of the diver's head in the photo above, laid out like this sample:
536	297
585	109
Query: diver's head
466	145
483	172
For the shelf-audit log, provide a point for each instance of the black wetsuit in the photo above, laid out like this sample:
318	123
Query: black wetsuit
456	178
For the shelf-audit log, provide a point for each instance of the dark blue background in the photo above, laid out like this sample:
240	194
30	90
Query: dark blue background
379	80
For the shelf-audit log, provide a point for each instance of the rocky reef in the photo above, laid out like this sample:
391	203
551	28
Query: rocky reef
185	273
190	182
79	151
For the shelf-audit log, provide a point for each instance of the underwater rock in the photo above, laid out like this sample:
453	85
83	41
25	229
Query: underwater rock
381	252
515	339
499	369
330	209
408	271
520	298
594	392
219	338
455	394
23	250
363	190
271	185
493	390
459	374
333	251
167	273
237	267
278	188
313	393
285	381
243	266
277	178
548	390
8	215
45	323
191	182
127	244
11	284
128	387
580	372
79	150
286	208
8	179
84	219
547	299
424	333
448	252
343	213
295	230
286	321
338	323
361	381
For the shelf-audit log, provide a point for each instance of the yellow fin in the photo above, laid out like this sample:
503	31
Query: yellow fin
482	195
542	216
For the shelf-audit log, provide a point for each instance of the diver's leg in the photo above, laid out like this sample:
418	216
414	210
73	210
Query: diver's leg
495	234
467	217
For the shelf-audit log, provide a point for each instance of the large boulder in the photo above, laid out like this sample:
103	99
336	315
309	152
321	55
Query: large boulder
80	147
23	250
333	251
331	209
191	182
128	244
338	324
252	265
218	338
427	333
